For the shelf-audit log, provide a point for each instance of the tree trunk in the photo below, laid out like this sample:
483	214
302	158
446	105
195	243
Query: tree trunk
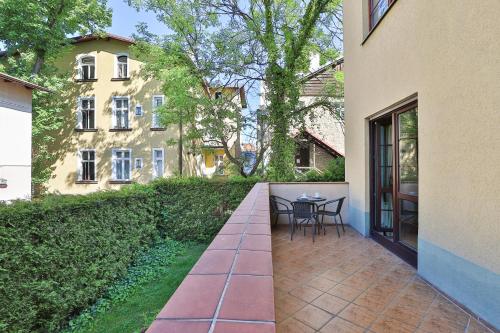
180	147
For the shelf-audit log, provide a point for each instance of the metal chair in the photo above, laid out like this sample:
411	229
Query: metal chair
322	211
306	212
280	206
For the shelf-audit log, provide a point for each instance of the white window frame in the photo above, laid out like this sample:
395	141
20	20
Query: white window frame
80	161
117	63
114	119
153	159
141	108
80	65
155	120
138	159
79	113
113	163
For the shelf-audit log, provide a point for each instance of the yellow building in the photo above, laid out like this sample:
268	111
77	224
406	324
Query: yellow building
112	135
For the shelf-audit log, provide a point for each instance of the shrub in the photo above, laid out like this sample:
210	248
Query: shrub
334	172
58	255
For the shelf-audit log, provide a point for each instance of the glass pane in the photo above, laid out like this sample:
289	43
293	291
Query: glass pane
158	154
88	60
126	154
408	152
126	170
85	155
408	223
92	155
118	103
122	59
118	154
91	103
119	169
125	103
386	210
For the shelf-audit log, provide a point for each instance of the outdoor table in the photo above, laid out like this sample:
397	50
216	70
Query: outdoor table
313	200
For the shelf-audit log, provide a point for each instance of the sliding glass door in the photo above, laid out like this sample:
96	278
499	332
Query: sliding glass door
394	181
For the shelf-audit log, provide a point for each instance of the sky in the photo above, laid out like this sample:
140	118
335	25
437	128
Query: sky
125	19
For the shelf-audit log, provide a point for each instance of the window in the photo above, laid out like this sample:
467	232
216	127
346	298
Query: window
121	164
120	112
218	94
86	167
121	66
87	68
377	10
86	113
138	110
138	164
158	161
219	165
157	102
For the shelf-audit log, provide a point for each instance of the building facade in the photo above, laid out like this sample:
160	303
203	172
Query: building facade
422	139
112	135
15	137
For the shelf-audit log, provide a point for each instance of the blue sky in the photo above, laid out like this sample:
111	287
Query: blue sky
125	19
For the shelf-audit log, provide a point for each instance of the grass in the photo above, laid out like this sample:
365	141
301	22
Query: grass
138	310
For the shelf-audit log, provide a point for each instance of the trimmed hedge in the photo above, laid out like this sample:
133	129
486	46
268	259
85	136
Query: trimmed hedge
58	255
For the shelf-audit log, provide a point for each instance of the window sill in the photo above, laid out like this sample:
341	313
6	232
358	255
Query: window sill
120	79
157	129
86	182
378	23
85	129
85	80
120	129
120	182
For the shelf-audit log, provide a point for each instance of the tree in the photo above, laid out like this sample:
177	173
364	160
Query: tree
34	34
243	43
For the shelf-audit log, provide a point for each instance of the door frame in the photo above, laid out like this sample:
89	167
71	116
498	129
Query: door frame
406	253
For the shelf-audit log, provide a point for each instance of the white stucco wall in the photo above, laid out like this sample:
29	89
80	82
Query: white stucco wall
15	141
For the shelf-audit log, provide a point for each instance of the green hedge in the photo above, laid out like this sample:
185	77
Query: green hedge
58	255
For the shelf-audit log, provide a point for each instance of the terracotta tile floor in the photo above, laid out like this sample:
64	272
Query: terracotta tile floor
353	284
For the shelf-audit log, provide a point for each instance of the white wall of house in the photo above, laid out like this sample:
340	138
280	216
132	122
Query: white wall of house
447	55
15	141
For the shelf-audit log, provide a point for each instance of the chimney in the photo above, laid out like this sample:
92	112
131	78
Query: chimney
314	62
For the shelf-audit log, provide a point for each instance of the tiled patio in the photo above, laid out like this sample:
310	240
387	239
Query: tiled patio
353	284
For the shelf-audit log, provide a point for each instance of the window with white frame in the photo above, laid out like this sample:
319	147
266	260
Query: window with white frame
121	66
138	110
219	165
86	113
138	163
86	165
157	102
121	164
87	68
158	162
120	112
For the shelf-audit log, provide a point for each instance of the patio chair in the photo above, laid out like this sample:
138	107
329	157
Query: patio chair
322	211
303	213
280	206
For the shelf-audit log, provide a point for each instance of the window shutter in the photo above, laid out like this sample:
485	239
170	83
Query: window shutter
113	165
79	165
79	117
113	113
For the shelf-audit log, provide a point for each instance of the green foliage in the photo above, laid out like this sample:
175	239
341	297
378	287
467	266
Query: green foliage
335	172
59	254
149	265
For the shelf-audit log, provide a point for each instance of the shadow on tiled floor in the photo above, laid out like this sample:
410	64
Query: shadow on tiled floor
353	284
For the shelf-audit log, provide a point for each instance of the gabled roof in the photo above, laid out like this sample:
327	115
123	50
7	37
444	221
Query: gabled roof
106	36
308	135
26	84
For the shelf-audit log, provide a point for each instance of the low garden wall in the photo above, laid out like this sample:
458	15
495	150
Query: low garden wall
230	289
59	254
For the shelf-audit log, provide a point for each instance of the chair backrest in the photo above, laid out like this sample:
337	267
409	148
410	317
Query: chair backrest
303	209
339	205
274	204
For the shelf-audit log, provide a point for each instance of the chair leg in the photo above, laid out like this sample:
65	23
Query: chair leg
314	229
342	223
323	224
336	225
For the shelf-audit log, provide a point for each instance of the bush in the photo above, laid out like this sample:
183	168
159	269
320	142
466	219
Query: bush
58	255
335	172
